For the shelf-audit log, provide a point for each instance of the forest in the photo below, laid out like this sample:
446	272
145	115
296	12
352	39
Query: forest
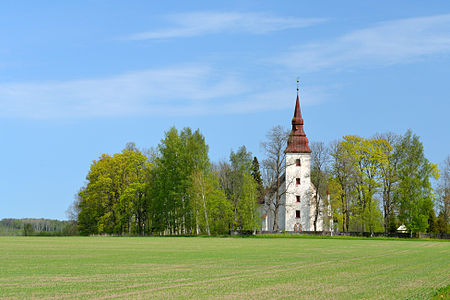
41	227
173	189
375	185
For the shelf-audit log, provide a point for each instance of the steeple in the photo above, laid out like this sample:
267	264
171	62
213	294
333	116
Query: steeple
298	142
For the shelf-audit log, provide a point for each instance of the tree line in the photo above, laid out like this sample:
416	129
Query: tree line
173	189
375	184
28	226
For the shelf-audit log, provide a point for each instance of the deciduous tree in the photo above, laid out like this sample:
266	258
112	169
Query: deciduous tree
319	177
388	172
366	156
111	201
341	182
274	167
443	196
414	194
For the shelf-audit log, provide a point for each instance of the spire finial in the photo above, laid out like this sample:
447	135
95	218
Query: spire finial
298	142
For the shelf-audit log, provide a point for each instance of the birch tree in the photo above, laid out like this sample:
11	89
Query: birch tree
342	181
240	188
389	177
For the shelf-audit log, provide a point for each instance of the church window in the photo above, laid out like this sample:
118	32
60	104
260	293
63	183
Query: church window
297	180
297	162
298	198
297	214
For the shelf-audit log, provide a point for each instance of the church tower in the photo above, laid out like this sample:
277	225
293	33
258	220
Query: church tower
298	182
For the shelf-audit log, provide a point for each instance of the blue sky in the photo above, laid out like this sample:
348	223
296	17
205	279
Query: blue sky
82	78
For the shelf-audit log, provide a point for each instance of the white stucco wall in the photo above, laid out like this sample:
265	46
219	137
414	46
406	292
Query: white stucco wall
293	189
287	211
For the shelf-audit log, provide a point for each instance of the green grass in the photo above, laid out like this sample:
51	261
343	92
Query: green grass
195	267
443	293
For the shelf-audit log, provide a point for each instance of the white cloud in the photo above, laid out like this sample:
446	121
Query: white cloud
387	43
201	23
188	90
141	92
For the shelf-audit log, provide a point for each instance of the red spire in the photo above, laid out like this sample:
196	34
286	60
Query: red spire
298	142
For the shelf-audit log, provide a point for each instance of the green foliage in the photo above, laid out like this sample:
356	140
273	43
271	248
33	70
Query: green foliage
70	229
248	204
392	223
390	169
241	190
389	178
11	227
442	293
366	156
256	174
113	201
180	155
28	229
432	222
414	193
175	192
442	223
210	207
341	184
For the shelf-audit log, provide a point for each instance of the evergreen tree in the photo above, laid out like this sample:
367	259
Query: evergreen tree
432	222
256	174
442	224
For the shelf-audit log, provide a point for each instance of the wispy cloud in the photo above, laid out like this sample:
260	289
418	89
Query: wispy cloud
202	23
278	98
188	90
387	43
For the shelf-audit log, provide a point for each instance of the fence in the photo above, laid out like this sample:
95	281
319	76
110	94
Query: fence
356	234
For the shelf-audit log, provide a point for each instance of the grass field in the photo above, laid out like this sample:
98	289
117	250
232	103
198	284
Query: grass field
188	267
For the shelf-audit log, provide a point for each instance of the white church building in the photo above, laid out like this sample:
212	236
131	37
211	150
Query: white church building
295	208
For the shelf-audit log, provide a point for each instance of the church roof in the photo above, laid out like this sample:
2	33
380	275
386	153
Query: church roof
298	142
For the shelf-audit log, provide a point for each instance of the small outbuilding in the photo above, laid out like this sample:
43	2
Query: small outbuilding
402	229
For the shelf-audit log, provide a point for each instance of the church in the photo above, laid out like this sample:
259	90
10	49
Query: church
294	210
